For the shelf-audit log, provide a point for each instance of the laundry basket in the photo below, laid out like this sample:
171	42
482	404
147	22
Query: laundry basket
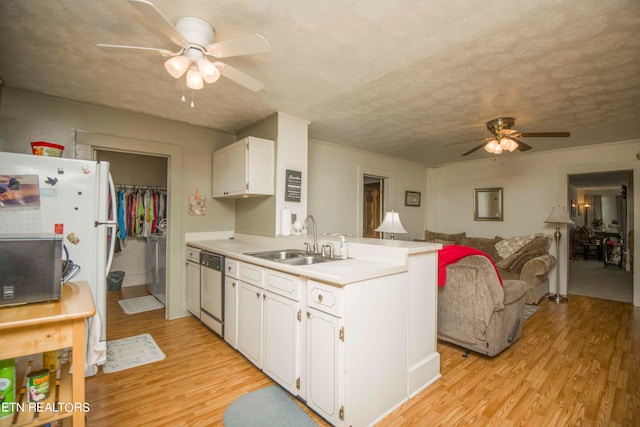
114	280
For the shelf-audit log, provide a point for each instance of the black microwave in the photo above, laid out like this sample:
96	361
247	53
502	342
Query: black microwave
30	268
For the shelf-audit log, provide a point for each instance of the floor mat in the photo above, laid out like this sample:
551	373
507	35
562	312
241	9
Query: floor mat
140	304
529	310
269	406
130	352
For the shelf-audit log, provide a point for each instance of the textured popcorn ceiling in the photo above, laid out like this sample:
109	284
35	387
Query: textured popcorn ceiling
403	78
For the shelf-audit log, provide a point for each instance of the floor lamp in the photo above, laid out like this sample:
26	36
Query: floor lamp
558	216
391	224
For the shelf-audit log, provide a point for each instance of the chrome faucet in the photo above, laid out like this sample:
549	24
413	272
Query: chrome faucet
315	232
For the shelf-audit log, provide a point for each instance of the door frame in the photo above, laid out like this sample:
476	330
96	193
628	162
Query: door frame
634	203
388	178
86	142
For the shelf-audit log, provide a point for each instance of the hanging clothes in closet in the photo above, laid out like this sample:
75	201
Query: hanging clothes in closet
140	210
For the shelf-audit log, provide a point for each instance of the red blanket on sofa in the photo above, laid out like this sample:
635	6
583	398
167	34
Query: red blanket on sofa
451	254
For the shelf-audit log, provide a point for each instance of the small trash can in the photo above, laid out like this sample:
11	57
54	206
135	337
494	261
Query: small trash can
114	280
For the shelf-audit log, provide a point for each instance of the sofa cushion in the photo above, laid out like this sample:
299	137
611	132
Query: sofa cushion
444	242
486	245
431	236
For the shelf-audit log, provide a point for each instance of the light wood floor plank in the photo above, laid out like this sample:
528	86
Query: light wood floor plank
575	364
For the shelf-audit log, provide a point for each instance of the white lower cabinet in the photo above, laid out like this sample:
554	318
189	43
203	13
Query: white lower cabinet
324	361
250	305
282	318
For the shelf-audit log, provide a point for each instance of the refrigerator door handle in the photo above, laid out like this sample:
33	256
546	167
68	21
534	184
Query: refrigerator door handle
111	224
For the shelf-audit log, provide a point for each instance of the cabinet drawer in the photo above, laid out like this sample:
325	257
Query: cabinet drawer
324	298
231	268
283	284
252	274
193	254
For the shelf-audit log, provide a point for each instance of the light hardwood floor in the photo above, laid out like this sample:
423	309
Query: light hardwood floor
576	364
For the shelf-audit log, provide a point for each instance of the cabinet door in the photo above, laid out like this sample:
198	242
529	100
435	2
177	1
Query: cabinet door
219	183
236	179
231	311
193	288
324	361
250	322
281	330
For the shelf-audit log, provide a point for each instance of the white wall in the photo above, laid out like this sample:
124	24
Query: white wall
533	183
335	188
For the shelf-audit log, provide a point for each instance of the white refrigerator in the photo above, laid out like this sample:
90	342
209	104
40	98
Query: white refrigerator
75	198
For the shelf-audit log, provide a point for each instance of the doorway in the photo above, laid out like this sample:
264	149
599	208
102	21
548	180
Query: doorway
372	205
600	242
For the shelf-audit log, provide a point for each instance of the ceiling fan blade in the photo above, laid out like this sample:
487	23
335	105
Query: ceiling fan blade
475	149
521	145
245	46
159	22
467	141
134	49
544	134
239	77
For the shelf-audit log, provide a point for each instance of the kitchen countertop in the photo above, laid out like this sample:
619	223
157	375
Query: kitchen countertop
366	264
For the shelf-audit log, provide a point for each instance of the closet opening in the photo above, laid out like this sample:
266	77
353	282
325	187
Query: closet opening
142	216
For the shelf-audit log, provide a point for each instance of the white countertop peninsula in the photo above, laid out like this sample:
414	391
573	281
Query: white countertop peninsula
355	338
368	258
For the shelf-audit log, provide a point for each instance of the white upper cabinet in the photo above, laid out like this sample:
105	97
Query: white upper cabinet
244	168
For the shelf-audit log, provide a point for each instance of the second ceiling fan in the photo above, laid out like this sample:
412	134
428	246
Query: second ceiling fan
195	38
506	138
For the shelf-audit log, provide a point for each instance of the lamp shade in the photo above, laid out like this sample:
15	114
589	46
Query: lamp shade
391	223
177	65
558	215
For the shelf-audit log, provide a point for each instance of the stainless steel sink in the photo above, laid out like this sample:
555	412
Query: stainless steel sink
278	255
292	256
307	260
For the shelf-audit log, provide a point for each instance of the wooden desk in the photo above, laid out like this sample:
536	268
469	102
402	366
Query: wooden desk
34	328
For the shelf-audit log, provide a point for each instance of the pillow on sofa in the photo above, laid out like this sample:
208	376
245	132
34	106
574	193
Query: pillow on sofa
537	247
511	245
430	236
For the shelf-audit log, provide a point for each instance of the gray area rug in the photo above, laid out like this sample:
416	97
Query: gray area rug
268	407
529	310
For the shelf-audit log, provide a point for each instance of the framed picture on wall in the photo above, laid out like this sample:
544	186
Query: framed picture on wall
411	198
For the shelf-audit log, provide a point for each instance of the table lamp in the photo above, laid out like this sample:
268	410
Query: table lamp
391	224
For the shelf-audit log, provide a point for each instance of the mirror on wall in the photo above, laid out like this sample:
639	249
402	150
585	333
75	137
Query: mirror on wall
487	204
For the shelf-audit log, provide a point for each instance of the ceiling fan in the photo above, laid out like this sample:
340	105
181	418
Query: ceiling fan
505	138
194	37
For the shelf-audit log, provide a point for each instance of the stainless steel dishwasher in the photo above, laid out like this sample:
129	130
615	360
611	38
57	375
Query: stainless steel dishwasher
212	291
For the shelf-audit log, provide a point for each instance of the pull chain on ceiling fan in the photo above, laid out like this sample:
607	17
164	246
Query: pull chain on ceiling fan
505	138
195	39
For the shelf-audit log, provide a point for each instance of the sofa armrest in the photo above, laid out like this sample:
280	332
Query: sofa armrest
537	269
513	290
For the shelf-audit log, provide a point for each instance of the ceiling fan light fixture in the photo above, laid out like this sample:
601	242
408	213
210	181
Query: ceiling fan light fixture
513	146
194	79
209	72
176	66
491	146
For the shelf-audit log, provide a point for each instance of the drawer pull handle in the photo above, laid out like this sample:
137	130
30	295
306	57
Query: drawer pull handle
320	297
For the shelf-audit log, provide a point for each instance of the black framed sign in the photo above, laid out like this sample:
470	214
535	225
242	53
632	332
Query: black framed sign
293	186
